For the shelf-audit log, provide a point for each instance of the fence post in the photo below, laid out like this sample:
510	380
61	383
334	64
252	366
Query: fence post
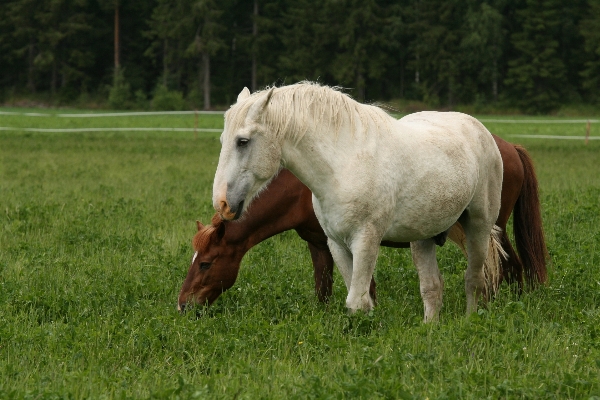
587	132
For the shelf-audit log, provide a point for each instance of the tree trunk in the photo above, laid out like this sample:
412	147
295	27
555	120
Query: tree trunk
417	69
117	44
495	80
53	79
179	70
232	73
254	45
206	68
63	76
165	62
401	77
450	87
360	86
31	67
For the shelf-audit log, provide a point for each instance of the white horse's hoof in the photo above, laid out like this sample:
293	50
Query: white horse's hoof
364	303
429	319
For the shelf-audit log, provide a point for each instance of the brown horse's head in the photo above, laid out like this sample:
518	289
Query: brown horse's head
214	267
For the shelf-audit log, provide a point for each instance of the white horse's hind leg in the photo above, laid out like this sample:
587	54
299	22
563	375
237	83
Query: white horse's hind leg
343	259
430	280
492	267
478	240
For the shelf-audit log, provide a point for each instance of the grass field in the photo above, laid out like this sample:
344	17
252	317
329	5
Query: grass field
95	243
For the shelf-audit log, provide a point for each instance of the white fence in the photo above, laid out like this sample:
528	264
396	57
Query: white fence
196	113
113	114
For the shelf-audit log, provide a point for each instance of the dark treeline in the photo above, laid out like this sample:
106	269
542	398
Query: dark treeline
530	54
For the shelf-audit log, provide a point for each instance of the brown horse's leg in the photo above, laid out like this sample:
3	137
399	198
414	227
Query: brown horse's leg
512	268
323	265
457	235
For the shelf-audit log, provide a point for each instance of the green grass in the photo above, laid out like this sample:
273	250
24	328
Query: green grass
95	233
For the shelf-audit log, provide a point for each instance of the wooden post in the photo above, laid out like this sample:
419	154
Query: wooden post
587	132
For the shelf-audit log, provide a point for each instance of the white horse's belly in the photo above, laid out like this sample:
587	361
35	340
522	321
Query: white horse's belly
397	217
401	230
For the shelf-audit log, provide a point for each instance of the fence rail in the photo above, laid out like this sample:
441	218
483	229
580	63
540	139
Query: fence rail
197	113
555	137
133	129
111	114
149	113
539	121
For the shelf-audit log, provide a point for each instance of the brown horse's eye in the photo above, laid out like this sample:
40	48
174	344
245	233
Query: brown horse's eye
204	265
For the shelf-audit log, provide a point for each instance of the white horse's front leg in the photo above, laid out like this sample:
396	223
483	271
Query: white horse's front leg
430	279
364	256
343	258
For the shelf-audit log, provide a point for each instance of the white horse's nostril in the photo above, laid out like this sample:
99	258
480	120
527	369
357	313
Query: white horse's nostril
223	206
225	211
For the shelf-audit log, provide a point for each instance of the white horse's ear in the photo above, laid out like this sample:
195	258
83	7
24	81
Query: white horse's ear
244	94
260	105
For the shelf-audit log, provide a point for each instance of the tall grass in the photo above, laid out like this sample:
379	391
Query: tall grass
95	242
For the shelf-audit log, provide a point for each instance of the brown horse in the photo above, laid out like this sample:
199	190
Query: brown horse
287	204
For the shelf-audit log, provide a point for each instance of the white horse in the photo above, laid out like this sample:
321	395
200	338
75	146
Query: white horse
373	178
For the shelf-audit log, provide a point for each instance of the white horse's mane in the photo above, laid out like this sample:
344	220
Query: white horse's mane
295	109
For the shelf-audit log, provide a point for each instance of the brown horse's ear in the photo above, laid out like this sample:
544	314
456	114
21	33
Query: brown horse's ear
199	225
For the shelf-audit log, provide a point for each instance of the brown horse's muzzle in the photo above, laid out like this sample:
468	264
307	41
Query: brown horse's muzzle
190	300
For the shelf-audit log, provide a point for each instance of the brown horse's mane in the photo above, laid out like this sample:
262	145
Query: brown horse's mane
201	239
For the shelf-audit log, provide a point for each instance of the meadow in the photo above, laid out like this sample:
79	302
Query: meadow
95	231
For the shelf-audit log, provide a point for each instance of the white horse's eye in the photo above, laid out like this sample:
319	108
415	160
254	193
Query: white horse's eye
242	142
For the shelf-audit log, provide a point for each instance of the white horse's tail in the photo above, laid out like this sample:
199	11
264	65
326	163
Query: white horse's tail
492	267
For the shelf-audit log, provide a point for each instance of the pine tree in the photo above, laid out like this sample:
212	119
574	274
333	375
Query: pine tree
480	52
438	28
266	41
7	58
22	14
309	42
537	75
589	28
207	40
398	38
60	24
171	31
361	44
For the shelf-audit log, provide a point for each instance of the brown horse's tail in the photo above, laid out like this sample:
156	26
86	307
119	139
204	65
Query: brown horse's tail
527	221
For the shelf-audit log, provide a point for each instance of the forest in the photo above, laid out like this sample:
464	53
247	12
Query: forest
531	55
